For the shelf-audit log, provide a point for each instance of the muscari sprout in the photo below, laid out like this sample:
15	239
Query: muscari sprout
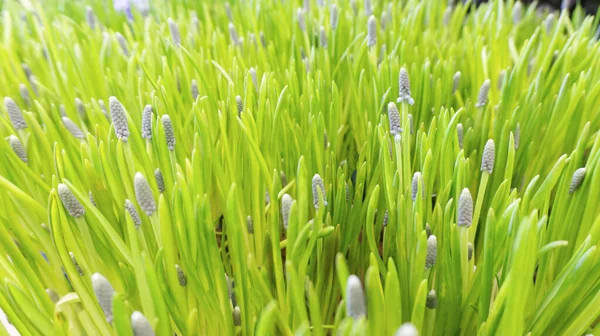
286	205
383	21
517	135
517	13
381	54
404	88
160	181
228	11
71	203
90	17
459	135
431	252
567	4
119	118
75	263
371	32
283	178
233	34
54	297
447	16
252	73
80	107
455	81
407	329
549	23
317	184
394	118
240	104
320	3
386	217
263	39
355	298
300	19
431	301
390	10
17	147
169	133
415	186
267	197
24	93
73	128
237	316
487	159
368	7
469	251
33	82
174	29
181	276
577	179
147	122
140	325
135	216
14	113
26	70
428	230
194	90
323	37
306	6
482	97
334	18
143	194
465	209
250	224
91	196
104	294
122	43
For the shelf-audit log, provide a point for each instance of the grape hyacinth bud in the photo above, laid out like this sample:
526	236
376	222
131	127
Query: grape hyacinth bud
237	317
368	7
169	133
317	185
355	298
91	196
240	104
487	159
90	17
73	128
306	5
71	203
34	84
431	301
407	329
517	136
517	12
144	195
501	76
147	122
334	19
53	295
286	205
404	88
250	224
386	216
415	186
181	276
24	93
381	54
140	325
119	118
320	3
300	19
394	118
284	181
549	23
17	147
323	37
194	90
267	197
26	70
122	43
431	252
455	81
428	230
383	21
135	217
482	97
104	294
469	251
465	209
263	39
160	181
228	11
14	113
252	72
347	193
174	29
577	179
75	263
447	16
371	32
233	34
459	134
80	107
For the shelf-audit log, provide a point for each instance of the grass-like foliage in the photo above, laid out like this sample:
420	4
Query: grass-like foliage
299	167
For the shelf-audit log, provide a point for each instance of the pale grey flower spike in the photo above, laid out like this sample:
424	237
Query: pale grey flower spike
404	88
169	132
240	104
237	317
386	217
371	32
317	185
143	194
104	294
447	16
428	230
323	37
122	43
80	107
90	17
233	34
17	147
517	136
228	11
415	186
487	159
469	251
286	205
250	224
394	118
431	301
482	97
24	94
301	20
174	29
135	216
549	23
140	325
160	181
368	8
431	252
75	263
194	90
181	276
459	134
355	298
334	19
254	78
92	198
73	128
577	179
465	209
54	297
455	81
147	122
407	329
119	118
14	113
517	12
71	203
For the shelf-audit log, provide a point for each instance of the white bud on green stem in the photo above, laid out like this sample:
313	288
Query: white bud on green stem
254	78
181	276
80	107
428	230
334	19
371	32
73	128
394	118
237	316
143	194
90	17
469	251
122	43
577	179
54	297
415	186
431	301
195	92
17	147
75	263
135	216
301	20
174	29
517	12
431	252
169	132
104	294
404	93
407	329
459	134
24	94
368	7
286	205
160	181
14	113
233	34
240	104
355	298
455	81
354	7
263	39
549	23
147	122
465	209
250	224
140	325
447	16
487	159
517	136
323	37
482	97
317	185
119	118
228	11
70	202
386	217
